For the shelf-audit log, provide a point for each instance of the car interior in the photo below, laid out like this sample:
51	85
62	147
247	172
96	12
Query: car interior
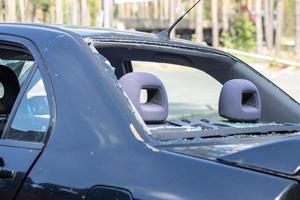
247	99
15	64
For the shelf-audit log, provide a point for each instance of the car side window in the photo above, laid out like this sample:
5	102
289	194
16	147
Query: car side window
32	118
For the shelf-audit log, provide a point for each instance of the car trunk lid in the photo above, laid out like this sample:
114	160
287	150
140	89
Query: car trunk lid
276	154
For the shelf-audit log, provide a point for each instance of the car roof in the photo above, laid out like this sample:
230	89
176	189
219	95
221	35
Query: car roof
116	34
109	35
138	37
100	32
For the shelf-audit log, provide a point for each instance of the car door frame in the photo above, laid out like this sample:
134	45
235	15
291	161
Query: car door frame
8	145
39	64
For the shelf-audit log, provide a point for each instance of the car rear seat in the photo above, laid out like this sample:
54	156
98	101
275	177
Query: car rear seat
11	87
155	109
239	102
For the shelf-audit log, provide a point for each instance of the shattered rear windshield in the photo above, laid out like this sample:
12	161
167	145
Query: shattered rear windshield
196	128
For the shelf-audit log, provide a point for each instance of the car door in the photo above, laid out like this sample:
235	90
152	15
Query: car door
27	124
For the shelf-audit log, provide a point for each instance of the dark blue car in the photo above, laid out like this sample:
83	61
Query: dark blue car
117	115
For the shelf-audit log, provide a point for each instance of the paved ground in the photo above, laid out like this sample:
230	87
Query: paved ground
289	81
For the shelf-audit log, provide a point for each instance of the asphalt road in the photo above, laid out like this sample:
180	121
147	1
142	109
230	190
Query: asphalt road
291	84
288	81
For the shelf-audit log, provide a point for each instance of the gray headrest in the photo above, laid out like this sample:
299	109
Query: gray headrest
240	101
155	110
11	87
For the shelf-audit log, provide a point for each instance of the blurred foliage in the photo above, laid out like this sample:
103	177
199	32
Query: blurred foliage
206	10
65	13
42	4
241	34
93	11
289	15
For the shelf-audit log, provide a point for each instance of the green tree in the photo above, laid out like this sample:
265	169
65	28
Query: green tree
241	34
42	4
93	12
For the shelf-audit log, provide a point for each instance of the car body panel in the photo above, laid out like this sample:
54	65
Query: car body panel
96	140
280	156
18	156
19	160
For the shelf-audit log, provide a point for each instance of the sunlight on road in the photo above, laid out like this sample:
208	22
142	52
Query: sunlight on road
288	81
